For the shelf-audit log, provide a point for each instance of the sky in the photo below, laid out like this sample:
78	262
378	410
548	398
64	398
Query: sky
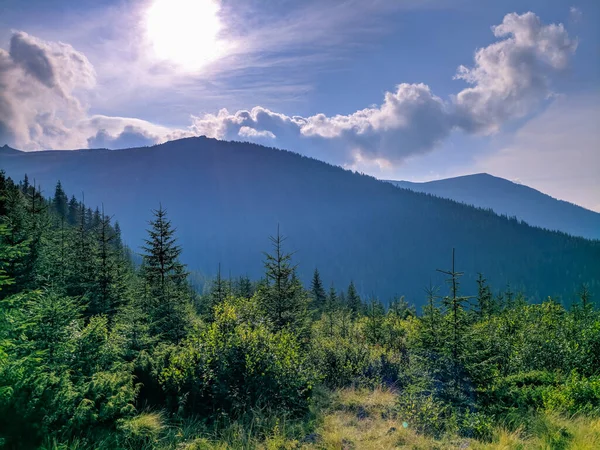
400	89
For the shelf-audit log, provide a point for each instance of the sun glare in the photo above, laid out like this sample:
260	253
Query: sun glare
185	32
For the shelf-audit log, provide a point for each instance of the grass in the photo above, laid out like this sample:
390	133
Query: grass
346	419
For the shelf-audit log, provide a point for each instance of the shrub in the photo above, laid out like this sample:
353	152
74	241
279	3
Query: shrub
232	366
577	395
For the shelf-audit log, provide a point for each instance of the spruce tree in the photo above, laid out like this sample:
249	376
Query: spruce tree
165	277
218	292
330	310
73	211
282	298
353	300
457	322
317	292
485	299
60	201
243	287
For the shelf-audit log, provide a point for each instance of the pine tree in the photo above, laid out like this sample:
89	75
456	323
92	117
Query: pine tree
353	300
283	299
118	240
73	211
243	287
317	292
331	308
165	276
25	185
82	274
484	307
219	290
457	318
109	287
60	201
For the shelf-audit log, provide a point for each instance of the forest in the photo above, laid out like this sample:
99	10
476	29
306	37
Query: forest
226	198
108	347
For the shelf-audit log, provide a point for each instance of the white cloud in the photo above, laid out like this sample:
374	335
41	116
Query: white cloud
509	80
253	133
511	77
41	83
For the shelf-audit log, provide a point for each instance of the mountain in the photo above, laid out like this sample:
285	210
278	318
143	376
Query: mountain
514	200
226	198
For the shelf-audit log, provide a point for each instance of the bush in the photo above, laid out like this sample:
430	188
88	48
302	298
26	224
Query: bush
232	366
577	395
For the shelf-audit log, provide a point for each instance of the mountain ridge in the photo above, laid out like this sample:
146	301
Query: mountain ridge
513	199
226	198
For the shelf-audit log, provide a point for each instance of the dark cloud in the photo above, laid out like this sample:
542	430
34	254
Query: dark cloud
27	52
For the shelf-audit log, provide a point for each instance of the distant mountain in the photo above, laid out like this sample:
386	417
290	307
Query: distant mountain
514	200
226	198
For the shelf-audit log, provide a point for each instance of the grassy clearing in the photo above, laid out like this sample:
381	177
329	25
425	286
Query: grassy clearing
346	419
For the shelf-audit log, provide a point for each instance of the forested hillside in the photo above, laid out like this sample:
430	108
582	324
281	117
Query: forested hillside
96	352
228	197
514	200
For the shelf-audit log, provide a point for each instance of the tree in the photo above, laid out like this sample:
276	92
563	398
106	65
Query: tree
165	276
353	300
60	201
282	298
110	273
219	291
243	287
331	308
485	299
454	305
317	292
73	211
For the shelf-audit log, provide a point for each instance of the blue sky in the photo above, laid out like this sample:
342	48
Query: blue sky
370	86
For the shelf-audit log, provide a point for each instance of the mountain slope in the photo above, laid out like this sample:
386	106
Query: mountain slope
225	198
511	199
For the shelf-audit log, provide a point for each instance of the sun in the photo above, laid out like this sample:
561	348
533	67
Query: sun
185	32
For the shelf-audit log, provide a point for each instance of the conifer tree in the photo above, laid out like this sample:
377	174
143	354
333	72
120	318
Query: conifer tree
485	299
331	307
353	300
165	277
219	290
110	274
457	321
283	299
60	201
317	292
243	287
73	211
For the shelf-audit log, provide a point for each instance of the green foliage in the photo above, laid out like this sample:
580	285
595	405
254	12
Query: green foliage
98	353
577	395
241	366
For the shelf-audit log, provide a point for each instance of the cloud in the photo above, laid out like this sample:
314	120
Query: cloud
39	81
42	87
253	133
130	137
511	77
509	80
